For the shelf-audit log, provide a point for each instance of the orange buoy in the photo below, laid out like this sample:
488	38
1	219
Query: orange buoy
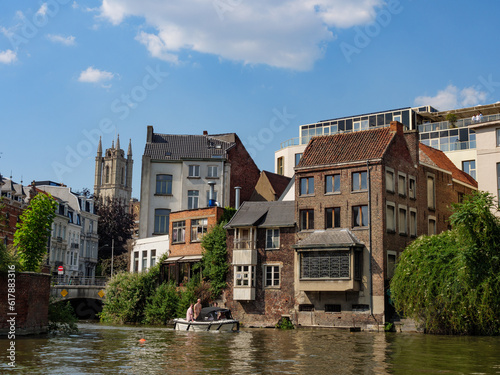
142	340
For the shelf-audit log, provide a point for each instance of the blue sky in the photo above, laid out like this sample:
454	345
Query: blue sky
73	70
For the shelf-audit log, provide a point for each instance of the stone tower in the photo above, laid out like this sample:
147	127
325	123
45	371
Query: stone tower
113	172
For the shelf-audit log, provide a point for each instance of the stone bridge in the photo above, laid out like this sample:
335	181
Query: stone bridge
82	288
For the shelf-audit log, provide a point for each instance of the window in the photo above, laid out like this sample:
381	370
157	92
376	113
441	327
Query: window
106	173
397	118
359	181
208	196
164	184
469	167
279	165
403	220
244	276
432	225
332	184
306	219
332	217
244	239
390	217
389	180
161	220
307	186
431	193
402	184
413	222
271	276
334	308
193	199
412	187
498	137
178	231
272	239
153	258
391	263
297	158
144	259
212	171
194	171
198	229
360	216
325	264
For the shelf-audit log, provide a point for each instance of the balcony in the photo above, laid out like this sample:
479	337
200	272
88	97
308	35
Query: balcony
244	293
244	257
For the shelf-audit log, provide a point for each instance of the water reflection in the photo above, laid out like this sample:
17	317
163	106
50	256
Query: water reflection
102	349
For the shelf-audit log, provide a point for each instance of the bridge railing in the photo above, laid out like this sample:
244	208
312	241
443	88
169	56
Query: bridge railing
95	281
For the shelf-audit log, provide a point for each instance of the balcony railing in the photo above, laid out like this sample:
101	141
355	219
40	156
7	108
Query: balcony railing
445	125
96	281
244	244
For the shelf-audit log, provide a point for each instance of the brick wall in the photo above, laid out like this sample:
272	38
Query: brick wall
270	303
244	172
32	291
9	216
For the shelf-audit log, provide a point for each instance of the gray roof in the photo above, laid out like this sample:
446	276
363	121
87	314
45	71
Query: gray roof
329	238
178	147
264	215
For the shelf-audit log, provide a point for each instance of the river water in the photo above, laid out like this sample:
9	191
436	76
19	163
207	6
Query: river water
102	349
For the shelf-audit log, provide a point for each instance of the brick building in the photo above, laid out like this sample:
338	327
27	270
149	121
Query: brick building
186	231
12	205
361	198
269	187
260	237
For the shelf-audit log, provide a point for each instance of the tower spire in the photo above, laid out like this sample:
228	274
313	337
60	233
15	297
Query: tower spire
129	152
99	147
118	142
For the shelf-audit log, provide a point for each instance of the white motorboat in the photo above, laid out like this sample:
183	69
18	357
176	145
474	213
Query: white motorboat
210	319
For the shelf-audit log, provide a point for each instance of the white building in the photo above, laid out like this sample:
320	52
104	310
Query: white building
80	234
147	252
178	170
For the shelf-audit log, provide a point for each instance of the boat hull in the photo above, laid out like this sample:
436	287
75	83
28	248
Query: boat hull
217	325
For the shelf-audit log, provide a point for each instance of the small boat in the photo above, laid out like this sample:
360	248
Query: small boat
210	319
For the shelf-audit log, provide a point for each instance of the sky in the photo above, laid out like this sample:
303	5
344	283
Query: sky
74	71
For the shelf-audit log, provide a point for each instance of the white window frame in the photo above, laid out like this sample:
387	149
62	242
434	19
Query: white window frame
199	227
273	234
178	231
244	276
275	268
194	170
212	171
193	199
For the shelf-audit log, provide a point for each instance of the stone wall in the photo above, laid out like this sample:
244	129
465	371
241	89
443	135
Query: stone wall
31	295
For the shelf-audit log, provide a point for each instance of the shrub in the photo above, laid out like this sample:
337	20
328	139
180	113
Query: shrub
162	305
62	318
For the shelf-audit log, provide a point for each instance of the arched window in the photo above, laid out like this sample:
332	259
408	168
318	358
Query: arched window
106	173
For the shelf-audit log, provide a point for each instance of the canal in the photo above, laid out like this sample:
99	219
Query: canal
103	349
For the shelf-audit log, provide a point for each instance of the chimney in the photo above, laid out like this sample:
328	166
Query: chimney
211	200
397	127
205	132
149	138
237	197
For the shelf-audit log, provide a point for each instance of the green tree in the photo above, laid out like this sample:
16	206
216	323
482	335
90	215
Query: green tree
33	231
451	282
214	261
162	305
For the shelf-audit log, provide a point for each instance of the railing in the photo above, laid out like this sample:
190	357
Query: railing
95	281
461	123
244	244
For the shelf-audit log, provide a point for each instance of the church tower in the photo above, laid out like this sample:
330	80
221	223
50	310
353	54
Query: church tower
113	172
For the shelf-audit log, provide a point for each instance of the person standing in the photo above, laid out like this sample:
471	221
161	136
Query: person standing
189	313
197	309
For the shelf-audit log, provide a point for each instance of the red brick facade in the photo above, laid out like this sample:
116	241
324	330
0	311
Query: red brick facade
390	151
270	303
9	217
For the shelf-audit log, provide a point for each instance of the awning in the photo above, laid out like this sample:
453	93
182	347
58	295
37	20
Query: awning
172	259
191	258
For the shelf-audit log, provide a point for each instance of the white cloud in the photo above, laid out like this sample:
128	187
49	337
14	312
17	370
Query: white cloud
451	98
65	40
95	75
281	33
43	10
7	57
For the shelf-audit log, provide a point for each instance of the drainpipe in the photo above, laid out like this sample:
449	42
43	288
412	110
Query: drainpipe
370	234
237	197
